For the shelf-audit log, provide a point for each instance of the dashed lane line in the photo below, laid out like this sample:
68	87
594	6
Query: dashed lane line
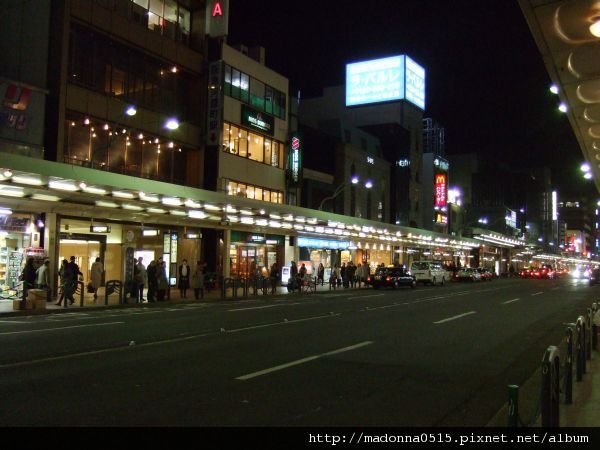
455	317
365	296
262	307
537	293
301	361
62	328
284	322
510	301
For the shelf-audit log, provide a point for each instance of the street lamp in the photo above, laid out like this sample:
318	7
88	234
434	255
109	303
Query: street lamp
354	181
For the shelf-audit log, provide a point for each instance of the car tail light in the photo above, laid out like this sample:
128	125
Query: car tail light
369	279
388	279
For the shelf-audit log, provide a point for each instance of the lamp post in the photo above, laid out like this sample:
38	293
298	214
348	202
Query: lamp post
338	190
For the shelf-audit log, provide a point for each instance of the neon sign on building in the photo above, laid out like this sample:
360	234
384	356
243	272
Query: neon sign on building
441	187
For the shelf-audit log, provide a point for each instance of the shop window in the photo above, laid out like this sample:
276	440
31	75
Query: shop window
258	194
184	24
235	83
269	99
256	148
250	192
268	151
244	87
243	143
228	80
257	94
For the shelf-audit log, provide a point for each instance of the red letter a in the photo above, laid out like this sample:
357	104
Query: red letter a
217	11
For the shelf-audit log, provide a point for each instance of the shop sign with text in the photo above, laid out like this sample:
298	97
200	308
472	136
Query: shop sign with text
257	120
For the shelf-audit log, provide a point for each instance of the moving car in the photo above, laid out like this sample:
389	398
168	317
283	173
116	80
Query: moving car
430	272
526	272
469	274
594	276
392	277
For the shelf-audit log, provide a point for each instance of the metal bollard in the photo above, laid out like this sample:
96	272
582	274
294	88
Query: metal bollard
513	405
569	368
550	387
580	362
588	346
594	326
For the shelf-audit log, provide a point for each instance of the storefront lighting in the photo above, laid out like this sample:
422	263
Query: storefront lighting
46	198
171	201
262	211
148	197
93	190
233	218
99	229
132	207
287	226
274	224
192	236
595	27
63	186
212	207
289	218
309	228
246	212
192	204
262	222
5	212
150	233
156	210
105	204
123	194
369	184
275	216
131	111
554	89
563	108
230	209
29	180
177	212
300	220
299	227
247	220
194	214
5	175
12	191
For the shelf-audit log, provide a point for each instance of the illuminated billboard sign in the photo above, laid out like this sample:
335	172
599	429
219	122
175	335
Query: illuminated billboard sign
441	187
384	80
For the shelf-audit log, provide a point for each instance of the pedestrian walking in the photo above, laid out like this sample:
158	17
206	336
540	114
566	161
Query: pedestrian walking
197	281
96	272
162	281
62	274
72	273
28	277
152	277
42	275
321	274
273	277
140	278
334	278
184	278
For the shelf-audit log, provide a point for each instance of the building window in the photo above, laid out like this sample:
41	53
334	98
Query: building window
165	17
253	192
243	87
246	144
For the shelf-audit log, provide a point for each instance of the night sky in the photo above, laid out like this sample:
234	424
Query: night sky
486	83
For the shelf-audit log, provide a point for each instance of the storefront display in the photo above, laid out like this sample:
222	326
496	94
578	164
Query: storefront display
252	254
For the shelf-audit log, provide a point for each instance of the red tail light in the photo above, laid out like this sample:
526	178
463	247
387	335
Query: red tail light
388	279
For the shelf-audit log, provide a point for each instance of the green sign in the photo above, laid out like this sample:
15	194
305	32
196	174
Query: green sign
257	120
257	238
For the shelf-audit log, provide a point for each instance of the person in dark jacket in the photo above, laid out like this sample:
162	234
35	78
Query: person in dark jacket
28	276
152	274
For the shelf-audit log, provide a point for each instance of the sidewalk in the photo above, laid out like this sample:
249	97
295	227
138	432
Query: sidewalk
6	306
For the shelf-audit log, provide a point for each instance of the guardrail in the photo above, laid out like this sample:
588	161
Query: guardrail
580	338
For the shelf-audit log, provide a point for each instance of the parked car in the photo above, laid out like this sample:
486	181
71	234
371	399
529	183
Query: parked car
545	271
392	277
430	272
469	274
526	272
486	274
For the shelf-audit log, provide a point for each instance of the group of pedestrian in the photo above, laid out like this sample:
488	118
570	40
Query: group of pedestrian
155	277
69	274
348	276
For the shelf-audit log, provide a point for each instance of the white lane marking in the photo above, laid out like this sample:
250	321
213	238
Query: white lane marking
12	321
537	293
555	288
366	296
62	328
455	317
256	327
510	301
369	308
262	307
301	361
106	350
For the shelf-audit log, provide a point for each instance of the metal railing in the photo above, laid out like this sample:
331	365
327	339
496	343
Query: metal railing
580	339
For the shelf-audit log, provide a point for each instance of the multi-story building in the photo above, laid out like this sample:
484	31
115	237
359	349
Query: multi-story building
130	129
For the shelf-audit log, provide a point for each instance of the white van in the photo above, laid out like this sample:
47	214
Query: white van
429	272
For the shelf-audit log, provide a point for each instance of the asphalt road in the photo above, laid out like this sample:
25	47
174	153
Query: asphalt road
432	356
